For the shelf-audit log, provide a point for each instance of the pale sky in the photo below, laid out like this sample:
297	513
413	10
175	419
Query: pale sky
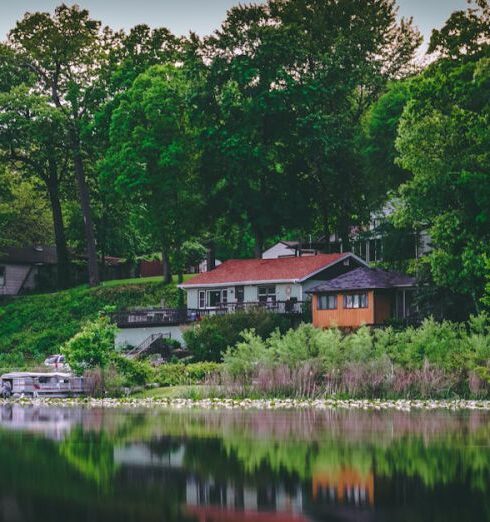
201	16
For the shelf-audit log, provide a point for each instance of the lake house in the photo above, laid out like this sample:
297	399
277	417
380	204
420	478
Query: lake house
363	296
278	285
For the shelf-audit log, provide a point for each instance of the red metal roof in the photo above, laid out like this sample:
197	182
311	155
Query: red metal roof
262	270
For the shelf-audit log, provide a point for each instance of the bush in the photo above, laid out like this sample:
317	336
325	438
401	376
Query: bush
91	347
208	340
435	360
181	374
133	373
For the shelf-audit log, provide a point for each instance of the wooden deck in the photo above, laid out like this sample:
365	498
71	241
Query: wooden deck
140	318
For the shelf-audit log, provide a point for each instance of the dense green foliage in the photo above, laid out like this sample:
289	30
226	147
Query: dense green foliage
248	133
36	326
181	374
91	347
431	132
435	359
443	140
297	117
210	338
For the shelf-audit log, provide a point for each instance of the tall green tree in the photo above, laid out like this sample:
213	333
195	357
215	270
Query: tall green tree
289	83
33	140
67	53
153	158
444	142
380	129
25	218
119	223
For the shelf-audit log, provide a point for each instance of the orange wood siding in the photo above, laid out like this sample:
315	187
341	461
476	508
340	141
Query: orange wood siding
343	317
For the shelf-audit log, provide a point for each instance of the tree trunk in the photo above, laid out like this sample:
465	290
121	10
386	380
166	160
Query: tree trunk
167	272
259	244
63	268
345	237
210	256
180	264
93	269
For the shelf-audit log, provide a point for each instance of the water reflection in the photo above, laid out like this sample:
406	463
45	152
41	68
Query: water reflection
95	464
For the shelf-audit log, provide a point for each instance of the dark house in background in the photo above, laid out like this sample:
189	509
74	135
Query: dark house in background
34	268
363	296
23	269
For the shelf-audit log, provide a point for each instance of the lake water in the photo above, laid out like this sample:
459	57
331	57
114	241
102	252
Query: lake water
75	464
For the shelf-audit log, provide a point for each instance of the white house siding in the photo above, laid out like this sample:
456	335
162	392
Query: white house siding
250	294
135	336
276	251
284	292
192	298
15	275
288	291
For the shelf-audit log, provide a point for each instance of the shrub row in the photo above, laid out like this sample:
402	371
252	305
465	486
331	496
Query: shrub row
434	360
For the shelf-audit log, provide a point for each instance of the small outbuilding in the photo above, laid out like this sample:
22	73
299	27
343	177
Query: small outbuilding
369	296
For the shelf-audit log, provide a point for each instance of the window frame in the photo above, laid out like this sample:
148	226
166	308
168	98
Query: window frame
223	297
324	302
201	299
264	296
362	299
240	294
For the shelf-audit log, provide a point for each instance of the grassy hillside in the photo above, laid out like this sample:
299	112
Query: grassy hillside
32	327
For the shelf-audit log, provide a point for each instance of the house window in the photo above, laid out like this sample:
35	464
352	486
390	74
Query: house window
2	276
217	298
356	300
267	294
239	294
202	299
327	302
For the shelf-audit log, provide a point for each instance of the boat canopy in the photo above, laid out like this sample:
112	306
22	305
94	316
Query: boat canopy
16	375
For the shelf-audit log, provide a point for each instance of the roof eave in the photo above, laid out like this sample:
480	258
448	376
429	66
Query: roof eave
318	290
187	286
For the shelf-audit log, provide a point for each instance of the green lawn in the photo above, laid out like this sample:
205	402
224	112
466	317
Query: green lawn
34	326
142	280
168	392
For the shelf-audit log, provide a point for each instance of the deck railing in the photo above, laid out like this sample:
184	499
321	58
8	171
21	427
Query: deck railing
174	316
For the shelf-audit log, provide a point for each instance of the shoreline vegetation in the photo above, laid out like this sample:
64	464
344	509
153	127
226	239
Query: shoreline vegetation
441	361
258	404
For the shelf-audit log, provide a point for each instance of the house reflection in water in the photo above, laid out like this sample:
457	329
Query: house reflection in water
209	501
53	423
212	499
348	486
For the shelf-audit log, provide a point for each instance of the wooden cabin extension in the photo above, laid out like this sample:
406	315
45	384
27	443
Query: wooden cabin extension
363	296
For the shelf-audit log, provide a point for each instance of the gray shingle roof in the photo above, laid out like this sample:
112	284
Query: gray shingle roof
364	279
29	255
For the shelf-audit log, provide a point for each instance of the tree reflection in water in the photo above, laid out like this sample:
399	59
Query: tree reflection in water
215	466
